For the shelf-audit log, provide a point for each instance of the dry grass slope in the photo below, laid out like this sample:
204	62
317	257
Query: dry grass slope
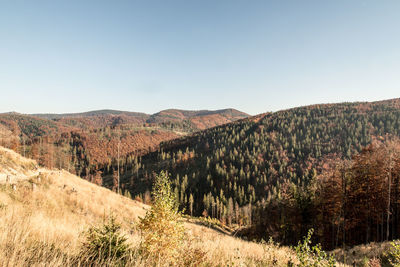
14	167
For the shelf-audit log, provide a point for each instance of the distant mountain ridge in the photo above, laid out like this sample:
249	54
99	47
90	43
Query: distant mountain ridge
89	114
196	119
177	113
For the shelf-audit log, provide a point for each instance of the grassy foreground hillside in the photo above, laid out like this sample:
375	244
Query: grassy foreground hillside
44	218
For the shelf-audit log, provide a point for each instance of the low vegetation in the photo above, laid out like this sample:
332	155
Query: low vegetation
310	256
105	245
392	256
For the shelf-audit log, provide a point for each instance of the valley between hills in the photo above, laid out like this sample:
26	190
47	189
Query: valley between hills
330	172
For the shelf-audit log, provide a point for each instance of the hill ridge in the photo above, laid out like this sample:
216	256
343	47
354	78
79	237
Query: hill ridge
132	113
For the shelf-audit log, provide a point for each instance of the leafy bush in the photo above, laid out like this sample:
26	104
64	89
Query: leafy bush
161	229
312	256
105	245
392	257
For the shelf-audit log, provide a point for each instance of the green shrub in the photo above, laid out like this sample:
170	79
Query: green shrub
392	257
105	245
312	256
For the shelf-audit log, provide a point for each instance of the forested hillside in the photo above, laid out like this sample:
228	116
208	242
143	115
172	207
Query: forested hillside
267	167
85	142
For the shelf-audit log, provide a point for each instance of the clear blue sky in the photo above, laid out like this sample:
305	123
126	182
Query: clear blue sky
256	56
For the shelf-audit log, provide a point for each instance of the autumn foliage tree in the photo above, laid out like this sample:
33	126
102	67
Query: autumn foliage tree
359	200
161	228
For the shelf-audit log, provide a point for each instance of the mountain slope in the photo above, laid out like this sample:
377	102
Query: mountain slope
43	221
231	171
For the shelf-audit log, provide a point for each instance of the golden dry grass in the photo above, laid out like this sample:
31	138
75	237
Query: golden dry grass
13	164
56	213
223	249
